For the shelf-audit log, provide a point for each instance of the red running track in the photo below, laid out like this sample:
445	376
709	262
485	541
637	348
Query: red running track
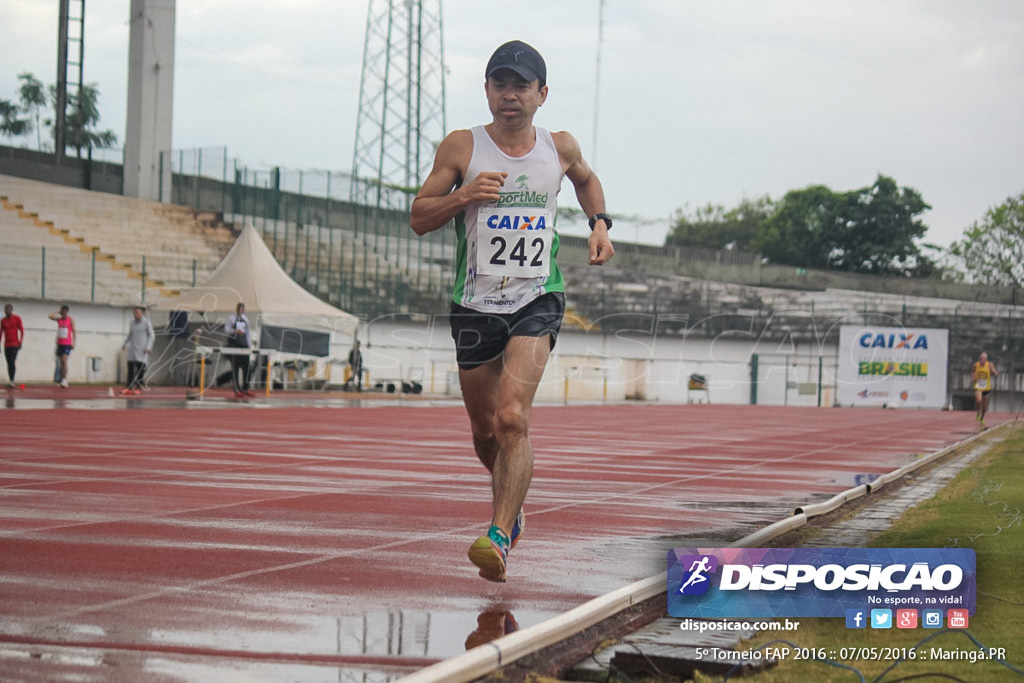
306	543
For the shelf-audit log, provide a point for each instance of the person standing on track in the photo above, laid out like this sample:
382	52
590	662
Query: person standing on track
355	365
983	373
65	342
138	345
13	332
500	182
239	336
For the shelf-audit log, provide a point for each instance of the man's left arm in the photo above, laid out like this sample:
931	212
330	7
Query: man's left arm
589	193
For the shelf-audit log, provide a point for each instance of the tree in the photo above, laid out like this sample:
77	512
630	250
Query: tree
33	98
80	121
83	114
993	249
869	230
876	229
11	125
713	227
796	233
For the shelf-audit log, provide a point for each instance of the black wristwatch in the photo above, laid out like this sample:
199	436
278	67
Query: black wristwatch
601	217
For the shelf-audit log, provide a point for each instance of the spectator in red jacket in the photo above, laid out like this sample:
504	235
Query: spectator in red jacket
13	333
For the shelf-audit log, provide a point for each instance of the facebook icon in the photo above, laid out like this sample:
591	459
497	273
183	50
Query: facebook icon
856	618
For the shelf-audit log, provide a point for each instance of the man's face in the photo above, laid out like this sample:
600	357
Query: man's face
983	358
512	99
137	313
8	310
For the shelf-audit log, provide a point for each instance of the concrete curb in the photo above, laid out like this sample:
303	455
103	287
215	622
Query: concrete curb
488	658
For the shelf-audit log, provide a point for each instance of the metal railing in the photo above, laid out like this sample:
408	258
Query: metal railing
330	231
67	273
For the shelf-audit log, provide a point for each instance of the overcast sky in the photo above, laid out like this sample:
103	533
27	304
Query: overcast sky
699	102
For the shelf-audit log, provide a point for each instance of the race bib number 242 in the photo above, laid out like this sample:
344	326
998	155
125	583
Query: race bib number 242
513	243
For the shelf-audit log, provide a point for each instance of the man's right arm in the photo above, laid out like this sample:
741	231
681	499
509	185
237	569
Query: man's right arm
437	202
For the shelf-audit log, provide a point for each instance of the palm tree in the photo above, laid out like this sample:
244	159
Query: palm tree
10	124
33	98
82	115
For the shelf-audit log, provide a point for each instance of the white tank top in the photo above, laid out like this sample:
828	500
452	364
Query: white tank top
506	249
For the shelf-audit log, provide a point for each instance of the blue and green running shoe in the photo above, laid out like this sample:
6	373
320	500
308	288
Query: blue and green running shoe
517	528
490	554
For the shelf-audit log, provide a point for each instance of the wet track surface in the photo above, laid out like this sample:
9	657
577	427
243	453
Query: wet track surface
325	539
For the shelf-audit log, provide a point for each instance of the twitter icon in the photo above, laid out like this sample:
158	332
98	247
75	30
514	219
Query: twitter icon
881	618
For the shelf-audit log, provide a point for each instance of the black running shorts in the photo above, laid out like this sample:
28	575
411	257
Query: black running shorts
482	337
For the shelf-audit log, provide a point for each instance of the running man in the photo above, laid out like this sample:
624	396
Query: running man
65	342
500	182
983	374
13	332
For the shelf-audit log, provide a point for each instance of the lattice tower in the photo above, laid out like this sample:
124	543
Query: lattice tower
70	56
401	101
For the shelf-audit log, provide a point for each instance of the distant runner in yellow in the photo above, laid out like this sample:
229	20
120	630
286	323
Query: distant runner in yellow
983	374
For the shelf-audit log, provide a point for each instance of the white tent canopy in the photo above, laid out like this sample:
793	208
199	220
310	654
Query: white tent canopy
249	274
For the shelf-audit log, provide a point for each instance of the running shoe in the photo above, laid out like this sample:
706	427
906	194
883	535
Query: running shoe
63	384
490	554
517	529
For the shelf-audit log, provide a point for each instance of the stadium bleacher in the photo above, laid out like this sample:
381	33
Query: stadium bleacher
79	245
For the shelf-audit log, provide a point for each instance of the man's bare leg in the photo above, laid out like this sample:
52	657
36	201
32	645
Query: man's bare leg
525	359
480	395
499	398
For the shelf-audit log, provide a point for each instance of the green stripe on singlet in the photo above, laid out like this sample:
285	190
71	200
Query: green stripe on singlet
460	258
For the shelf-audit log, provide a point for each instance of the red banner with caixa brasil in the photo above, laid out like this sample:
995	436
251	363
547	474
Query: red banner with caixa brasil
892	366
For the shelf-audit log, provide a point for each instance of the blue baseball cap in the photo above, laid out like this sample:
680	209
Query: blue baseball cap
520	58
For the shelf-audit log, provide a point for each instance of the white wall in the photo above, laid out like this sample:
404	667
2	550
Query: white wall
584	366
597	367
